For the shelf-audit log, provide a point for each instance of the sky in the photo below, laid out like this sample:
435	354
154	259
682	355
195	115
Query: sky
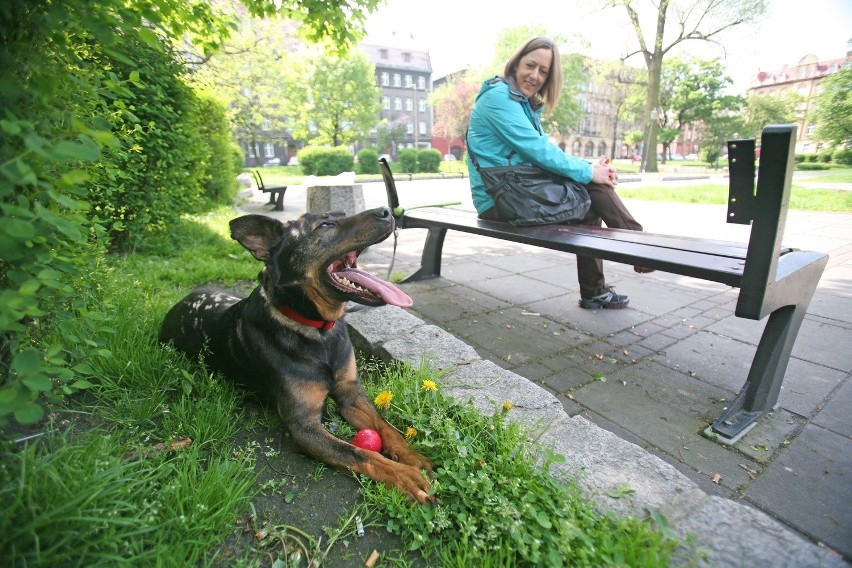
461	33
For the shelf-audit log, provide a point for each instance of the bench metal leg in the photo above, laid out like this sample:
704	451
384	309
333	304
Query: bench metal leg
279	203
430	261
763	385
760	391
271	197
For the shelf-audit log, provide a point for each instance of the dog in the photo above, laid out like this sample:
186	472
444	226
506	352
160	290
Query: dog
287	340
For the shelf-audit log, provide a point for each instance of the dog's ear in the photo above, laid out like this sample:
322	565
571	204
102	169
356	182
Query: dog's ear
257	233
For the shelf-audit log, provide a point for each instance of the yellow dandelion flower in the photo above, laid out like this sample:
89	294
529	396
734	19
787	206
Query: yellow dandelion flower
410	432
429	385
383	399
507	405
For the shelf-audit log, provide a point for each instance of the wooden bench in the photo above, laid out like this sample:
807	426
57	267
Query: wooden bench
774	281
276	194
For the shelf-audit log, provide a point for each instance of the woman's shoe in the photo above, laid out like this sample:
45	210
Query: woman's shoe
607	299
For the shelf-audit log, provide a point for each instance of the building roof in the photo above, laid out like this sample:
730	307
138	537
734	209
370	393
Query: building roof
398	57
808	68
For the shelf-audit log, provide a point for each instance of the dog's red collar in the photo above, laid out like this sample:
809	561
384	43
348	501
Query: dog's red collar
297	317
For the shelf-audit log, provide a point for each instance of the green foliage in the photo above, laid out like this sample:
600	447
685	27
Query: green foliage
833	111
157	172
825	155
429	160
368	161
340	102
497	502
408	160
812	166
325	160
71	72
842	156
761	110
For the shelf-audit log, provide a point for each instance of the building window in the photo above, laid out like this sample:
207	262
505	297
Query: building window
383	53
397	80
421	105
408	82
422	127
269	150
811	128
397	103
409	128
385	78
406	57
421	83
409	105
386	103
266	125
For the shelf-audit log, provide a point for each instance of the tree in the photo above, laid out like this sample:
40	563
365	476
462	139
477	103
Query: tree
254	73
341	101
761	110
833	113
703	20
452	103
692	91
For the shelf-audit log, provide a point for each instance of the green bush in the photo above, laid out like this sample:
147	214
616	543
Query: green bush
824	156
811	158
429	160
799	158
842	156
812	166
156	174
222	156
408	160
368	161
325	160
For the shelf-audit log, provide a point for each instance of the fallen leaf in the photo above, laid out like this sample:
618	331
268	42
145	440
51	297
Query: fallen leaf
717	478
599	356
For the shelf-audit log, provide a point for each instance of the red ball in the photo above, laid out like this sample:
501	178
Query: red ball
368	439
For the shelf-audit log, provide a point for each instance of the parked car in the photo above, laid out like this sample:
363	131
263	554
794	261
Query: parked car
272	162
691	157
294	161
449	158
677	157
387	157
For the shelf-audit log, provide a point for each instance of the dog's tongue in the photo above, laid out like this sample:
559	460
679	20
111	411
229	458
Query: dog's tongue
387	291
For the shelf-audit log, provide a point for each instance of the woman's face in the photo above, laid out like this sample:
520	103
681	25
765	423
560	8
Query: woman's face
532	71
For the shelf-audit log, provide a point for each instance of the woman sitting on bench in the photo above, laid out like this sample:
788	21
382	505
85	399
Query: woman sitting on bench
505	123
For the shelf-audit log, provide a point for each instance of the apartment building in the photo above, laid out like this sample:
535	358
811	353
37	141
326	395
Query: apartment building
804	79
405	77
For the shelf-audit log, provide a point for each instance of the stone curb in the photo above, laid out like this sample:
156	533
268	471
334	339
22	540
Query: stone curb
730	533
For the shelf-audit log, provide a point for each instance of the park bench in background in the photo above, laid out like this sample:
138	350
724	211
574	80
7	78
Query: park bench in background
276	194
774	281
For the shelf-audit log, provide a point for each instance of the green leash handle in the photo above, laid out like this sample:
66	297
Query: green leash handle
397	211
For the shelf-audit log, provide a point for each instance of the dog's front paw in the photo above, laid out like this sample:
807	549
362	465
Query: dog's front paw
410	457
411	481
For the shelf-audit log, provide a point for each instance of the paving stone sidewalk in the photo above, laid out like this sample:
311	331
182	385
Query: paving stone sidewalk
626	394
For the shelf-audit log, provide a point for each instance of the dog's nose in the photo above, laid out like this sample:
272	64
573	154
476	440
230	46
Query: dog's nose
383	212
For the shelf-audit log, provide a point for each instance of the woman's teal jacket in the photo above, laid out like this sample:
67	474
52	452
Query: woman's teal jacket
506	130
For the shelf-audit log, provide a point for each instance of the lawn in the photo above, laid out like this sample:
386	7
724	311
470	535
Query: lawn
163	463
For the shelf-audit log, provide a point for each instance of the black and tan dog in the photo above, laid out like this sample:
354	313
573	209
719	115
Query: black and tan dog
287	340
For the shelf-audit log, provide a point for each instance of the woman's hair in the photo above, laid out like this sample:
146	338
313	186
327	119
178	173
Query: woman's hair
552	87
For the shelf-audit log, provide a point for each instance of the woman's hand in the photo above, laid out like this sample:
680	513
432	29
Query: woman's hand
603	172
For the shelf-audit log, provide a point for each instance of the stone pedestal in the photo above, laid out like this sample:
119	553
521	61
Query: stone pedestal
348	199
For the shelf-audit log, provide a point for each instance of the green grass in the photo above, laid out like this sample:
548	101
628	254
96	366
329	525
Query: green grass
497	503
110	491
801	198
